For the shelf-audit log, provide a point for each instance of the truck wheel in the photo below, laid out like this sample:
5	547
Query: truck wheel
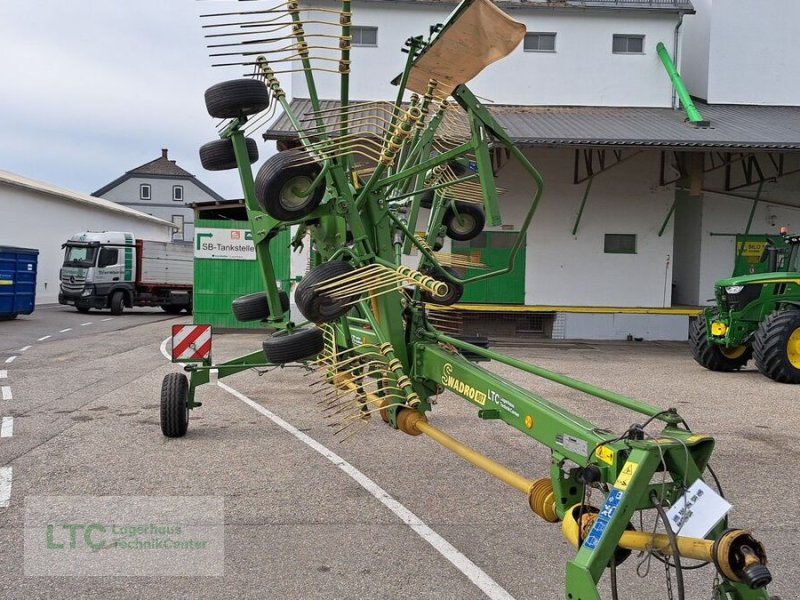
237	97
465	225
454	290
219	155
285	347
254	307
312	304
174	405
715	357
278	183
117	303
777	346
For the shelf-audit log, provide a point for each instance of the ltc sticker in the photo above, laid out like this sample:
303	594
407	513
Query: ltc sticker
625	476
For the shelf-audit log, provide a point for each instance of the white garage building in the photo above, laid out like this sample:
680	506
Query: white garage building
34	214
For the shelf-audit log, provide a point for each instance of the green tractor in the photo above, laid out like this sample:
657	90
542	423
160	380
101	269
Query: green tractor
756	316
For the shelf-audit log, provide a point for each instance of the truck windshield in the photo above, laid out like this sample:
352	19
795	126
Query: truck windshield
80	255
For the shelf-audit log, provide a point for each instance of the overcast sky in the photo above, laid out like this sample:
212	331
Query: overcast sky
90	89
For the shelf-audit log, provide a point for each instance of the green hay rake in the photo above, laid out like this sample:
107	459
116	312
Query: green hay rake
354	188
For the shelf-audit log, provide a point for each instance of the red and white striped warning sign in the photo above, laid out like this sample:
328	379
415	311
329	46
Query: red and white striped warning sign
191	342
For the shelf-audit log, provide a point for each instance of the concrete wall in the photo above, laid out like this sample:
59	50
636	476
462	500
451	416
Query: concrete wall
161	204
22	224
743	52
582	71
568	270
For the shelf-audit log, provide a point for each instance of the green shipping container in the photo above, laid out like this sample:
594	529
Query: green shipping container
225	269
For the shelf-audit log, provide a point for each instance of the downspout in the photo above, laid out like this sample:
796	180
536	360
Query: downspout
675	56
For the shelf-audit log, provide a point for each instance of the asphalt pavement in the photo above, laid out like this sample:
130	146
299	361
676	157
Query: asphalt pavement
382	515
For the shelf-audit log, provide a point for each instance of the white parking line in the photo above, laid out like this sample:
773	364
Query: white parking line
5	392
65	330
41	339
24	349
474	573
7	427
108	319
3	374
10	359
5	486
85	324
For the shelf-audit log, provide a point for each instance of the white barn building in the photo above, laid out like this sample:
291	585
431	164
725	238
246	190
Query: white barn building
641	209
34	214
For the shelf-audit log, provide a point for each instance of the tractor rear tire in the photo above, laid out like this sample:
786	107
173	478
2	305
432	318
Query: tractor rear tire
467	224
174	405
454	290
715	357
777	346
275	183
237	97
254	307
316	307
300	344
219	155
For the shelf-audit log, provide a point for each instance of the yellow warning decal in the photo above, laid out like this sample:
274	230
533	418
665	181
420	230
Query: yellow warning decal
605	454
624	478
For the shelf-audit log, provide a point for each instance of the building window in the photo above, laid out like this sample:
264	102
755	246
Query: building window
177	193
628	44
540	42
144	191
620	243
177	233
364	36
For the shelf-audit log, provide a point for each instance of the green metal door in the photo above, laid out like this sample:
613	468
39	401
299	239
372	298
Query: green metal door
493	249
219	280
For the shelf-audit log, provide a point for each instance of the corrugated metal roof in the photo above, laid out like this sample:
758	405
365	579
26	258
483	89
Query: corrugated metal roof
732	126
15	180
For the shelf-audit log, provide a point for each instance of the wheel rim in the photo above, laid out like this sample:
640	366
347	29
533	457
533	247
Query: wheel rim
291	200
733	353
463	224
793	348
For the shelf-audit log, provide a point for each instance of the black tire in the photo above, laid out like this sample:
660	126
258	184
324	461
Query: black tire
274	184
426	201
254	307
83	309
237	97
776	346
117	303
715	357
219	155
454	290
300	344
172	309
467	224
174	405
316	307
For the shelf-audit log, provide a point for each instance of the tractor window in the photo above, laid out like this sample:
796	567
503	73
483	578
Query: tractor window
793	261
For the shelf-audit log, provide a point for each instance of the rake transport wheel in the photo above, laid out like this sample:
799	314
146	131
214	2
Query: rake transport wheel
465	225
311	302
281	187
254	307
219	155
299	344
454	290
237	97
174	405
715	357
777	346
